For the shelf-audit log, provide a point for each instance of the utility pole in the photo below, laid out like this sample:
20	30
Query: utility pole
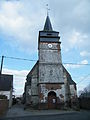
1	65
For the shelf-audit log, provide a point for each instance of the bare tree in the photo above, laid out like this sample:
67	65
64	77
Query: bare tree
85	92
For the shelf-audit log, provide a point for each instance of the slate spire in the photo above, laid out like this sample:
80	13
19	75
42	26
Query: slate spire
48	25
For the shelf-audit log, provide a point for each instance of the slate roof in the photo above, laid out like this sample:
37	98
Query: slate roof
48	25
30	73
71	82
6	82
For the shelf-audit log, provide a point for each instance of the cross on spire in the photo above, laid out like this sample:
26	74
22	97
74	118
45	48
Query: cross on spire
47	9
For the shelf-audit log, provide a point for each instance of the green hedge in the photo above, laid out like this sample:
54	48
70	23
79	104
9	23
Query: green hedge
3	97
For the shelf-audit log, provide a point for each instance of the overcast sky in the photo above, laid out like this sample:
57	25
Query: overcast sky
20	23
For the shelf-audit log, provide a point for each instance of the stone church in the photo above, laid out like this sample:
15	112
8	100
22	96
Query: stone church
49	85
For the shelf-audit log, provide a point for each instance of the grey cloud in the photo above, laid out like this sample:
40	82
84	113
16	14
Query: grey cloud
66	16
69	15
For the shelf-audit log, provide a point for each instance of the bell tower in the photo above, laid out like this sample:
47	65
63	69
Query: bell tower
49	85
49	53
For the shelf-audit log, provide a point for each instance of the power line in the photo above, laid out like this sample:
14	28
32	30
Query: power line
77	63
84	78
19	58
9	57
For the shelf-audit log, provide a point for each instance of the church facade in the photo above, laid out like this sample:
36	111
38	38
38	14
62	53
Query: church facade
49	85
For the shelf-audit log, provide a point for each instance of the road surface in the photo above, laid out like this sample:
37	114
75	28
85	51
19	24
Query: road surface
82	115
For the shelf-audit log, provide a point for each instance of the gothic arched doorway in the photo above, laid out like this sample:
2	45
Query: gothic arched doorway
52	100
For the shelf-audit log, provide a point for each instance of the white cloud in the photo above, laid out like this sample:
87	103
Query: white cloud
19	79
74	38
84	62
72	66
15	72
85	53
19	26
77	39
73	21
83	82
77	65
80	87
21	21
10	19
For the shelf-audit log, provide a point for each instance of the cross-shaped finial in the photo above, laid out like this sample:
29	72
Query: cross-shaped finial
47	9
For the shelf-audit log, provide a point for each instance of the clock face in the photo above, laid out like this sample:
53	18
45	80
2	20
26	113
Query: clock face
50	45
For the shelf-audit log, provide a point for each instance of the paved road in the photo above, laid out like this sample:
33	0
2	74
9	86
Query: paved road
82	115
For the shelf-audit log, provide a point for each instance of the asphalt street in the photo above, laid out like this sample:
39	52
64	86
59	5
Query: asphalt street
82	115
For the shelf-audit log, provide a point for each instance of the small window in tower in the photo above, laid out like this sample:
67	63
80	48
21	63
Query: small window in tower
49	34
51	72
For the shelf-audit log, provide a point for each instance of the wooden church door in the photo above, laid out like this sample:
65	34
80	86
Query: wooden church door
52	101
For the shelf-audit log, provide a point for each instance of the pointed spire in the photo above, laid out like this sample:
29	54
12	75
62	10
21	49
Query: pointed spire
48	25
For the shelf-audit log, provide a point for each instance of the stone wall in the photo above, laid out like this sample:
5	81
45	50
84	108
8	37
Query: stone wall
49	54
44	89
73	91
31	88
3	106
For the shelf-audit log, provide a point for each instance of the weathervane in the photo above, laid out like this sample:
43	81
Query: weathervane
47	9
